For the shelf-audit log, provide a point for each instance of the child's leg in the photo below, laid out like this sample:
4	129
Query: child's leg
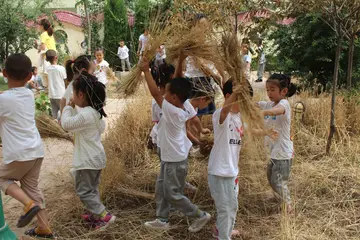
123	65
162	205
128	64
224	191
55	107
278	176
86	184
174	182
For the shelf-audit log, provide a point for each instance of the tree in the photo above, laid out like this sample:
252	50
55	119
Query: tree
15	35
116	28
142	10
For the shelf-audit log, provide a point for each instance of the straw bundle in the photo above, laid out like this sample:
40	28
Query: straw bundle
158	36
49	128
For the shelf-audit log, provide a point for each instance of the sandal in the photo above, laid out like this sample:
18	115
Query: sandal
28	216
32	233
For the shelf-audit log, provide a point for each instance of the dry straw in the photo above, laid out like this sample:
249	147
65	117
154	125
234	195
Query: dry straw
48	127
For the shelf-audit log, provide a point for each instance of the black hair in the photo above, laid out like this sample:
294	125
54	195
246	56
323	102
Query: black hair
75	67
228	88
181	87
93	90
196	18
33	69
47	26
162	73
99	50
50	55
283	81
18	66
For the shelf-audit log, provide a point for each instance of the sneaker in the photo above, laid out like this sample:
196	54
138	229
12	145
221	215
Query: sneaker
87	217
104	222
259	80
157	224
199	223
190	187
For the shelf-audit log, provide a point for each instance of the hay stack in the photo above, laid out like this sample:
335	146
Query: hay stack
49	128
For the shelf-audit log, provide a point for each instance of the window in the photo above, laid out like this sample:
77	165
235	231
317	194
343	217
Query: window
60	37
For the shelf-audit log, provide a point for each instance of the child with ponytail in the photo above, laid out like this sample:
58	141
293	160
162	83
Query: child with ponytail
89	155
277	113
73	69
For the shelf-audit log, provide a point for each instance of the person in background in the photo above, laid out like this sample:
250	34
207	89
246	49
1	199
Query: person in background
160	55
36	79
143	41
102	66
174	150
89	154
123	53
57	77
277	114
22	147
262	61
247	61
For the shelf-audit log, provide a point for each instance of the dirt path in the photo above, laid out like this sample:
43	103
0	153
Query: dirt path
55	168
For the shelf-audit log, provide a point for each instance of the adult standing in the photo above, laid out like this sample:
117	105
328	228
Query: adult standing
47	42
262	61
143	41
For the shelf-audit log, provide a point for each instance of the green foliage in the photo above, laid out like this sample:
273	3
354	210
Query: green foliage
307	47
42	104
116	29
142	11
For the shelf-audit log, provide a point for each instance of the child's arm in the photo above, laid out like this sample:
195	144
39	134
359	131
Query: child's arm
275	111
71	122
190	135
266	132
197	123
151	83
179	67
228	104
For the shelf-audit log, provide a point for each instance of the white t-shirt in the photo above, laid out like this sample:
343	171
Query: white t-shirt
247	58
173	141
224	156
144	41
89	152
156	114
162	54
56	77
20	137
100	72
282	148
123	52
191	70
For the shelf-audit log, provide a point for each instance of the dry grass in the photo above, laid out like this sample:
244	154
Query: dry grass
325	189
49	128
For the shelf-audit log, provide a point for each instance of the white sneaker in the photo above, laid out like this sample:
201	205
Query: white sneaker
199	223
157	224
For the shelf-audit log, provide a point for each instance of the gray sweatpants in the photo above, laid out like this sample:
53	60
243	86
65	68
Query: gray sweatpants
261	70
169	188
87	188
55	107
123	61
278	173
224	191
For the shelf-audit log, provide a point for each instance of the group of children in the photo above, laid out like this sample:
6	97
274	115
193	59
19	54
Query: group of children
176	106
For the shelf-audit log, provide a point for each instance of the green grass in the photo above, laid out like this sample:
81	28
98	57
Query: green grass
3	85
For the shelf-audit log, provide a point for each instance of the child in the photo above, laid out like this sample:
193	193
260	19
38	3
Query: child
175	147
23	150
36	78
247	61
143	41
123	53
56	77
223	163
262	61
89	154
277	115
73	70
102	66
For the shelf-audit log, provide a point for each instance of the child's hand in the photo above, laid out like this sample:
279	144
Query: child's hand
71	103
144	65
205	131
272	133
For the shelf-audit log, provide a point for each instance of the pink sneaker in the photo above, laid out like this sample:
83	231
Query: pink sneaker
104	222
87	217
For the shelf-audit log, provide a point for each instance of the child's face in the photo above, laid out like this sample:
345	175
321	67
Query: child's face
274	93
204	102
99	56
35	72
122	44
146	32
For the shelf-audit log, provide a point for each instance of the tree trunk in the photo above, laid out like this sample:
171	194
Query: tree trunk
350	62
333	97
88	25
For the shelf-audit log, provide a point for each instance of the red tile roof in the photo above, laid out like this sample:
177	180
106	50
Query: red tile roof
69	17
